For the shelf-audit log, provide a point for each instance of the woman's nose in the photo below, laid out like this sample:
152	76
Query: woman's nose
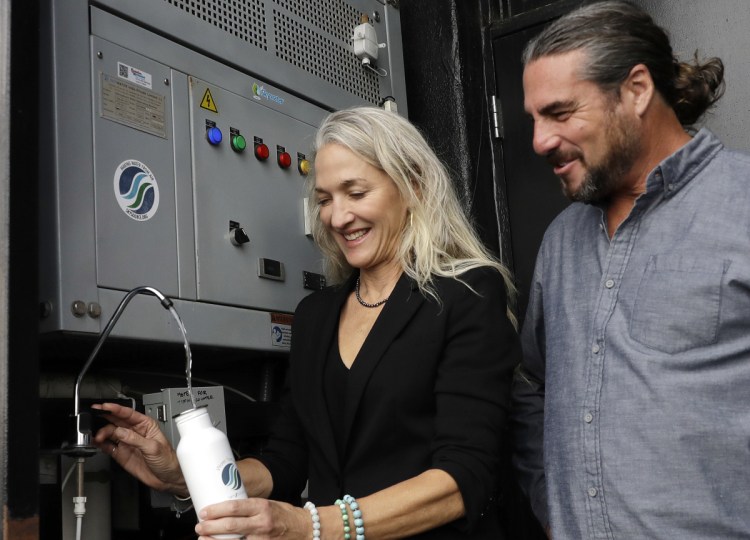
341	216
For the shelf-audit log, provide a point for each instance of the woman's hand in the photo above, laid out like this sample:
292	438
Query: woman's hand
255	519
135	441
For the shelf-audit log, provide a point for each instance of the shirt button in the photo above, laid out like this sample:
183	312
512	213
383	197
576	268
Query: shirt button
595	349
588	417
609	283
592	492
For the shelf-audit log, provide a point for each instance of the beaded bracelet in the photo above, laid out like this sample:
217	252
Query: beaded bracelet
310	507
345	517
359	523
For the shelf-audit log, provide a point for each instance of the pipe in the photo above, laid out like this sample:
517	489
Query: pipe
83	437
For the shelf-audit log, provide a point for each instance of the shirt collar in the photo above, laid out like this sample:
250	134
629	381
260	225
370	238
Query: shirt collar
672	174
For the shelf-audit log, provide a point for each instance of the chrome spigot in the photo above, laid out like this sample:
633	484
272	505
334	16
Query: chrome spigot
83	446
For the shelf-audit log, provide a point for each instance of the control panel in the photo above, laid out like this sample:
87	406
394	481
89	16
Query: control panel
182	138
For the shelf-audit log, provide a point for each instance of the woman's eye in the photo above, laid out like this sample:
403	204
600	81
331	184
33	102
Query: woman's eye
357	194
323	202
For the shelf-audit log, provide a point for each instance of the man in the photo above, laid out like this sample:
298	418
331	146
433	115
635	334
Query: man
632	405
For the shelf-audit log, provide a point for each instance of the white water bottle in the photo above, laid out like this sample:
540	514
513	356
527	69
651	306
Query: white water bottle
207	462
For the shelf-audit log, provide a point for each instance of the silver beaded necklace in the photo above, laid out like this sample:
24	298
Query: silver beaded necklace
367	304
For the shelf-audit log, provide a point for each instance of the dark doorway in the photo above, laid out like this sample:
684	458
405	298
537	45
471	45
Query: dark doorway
533	195
533	192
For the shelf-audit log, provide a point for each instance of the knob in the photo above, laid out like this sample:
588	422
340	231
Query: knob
94	310
78	308
238	236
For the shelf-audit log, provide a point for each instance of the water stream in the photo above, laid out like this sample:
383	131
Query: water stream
188	355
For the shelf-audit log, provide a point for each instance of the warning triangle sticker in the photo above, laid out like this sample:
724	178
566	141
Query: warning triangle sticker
208	101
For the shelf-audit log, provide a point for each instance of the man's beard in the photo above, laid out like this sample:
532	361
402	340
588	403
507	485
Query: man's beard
604	178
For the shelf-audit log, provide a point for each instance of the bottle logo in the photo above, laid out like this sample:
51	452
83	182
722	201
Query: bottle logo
230	475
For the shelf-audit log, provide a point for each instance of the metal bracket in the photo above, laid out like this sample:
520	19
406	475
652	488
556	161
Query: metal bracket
497	119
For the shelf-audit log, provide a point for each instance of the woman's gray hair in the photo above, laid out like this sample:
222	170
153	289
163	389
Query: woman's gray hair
438	239
616	36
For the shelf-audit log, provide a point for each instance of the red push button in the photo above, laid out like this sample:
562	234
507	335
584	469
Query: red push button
261	151
285	160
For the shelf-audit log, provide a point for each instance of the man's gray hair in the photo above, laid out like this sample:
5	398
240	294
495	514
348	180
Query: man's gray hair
615	36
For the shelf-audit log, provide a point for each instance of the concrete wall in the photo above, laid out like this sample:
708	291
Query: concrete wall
715	28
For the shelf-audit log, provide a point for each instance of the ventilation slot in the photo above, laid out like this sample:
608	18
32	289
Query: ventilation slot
244	19
334	17
329	60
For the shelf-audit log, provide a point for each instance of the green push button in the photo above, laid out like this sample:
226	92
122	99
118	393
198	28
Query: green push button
238	143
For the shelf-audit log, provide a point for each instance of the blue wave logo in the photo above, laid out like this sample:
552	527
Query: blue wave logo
136	190
230	475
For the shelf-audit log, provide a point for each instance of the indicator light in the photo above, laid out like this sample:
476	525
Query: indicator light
304	167
238	143
285	160
261	151
214	136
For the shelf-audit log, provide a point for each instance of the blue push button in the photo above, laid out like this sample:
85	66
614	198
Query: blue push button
214	136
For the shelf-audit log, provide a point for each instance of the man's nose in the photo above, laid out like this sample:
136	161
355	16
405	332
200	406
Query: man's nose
545	140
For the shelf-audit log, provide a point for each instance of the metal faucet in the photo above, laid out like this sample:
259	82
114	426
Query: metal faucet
83	446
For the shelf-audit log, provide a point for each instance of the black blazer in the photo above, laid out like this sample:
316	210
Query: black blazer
429	389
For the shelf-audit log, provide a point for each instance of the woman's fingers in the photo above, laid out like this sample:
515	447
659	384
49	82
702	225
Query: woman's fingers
136	443
252	518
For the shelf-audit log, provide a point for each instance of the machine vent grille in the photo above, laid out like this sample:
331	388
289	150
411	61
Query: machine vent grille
314	36
244	19
326	58
335	17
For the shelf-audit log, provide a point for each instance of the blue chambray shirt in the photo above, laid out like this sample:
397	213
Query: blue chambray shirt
637	361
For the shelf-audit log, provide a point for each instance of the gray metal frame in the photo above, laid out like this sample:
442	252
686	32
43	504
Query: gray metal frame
4	237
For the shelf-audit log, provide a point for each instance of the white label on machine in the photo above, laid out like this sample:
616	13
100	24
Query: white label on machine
136	190
281	330
131	105
134	75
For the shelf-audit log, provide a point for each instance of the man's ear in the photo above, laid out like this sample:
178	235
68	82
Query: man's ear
638	88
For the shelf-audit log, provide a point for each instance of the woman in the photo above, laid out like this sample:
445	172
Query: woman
399	374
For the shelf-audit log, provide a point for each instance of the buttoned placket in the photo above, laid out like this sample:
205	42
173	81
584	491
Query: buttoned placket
618	254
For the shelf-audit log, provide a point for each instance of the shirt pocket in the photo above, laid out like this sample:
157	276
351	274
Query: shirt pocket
678	303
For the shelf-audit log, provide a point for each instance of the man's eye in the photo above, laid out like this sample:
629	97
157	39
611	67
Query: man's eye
357	194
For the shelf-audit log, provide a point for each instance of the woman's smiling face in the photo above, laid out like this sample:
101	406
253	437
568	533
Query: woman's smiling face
360	206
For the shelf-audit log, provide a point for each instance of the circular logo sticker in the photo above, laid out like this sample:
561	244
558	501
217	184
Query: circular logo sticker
136	190
230	476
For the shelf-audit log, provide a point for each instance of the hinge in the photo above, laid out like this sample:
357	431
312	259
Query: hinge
497	119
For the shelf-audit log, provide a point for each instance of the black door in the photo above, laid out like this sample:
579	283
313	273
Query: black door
534	199
533	192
